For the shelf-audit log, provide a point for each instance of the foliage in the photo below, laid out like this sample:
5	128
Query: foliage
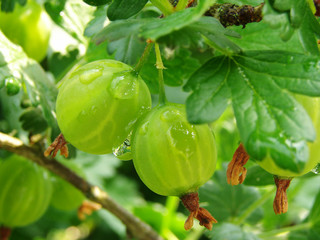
241	81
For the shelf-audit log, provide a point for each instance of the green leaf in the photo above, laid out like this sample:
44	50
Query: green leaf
261	36
297	16
97	2
71	15
179	66
160	27
257	176
208	27
98	168
33	121
228	231
97	23
269	119
226	202
210	93
123	9
8	5
15	63
314	215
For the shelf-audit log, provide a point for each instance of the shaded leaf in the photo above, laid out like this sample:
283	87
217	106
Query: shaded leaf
97	2
179	66
225	202
314	215
8	5
32	120
228	231
123	9
15	63
297	16
257	176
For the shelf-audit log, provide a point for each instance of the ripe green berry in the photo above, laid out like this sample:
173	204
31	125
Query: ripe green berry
25	192
65	196
172	156
30	27
99	103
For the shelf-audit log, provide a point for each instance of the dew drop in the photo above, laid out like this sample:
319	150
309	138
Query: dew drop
123	152
124	85
316	170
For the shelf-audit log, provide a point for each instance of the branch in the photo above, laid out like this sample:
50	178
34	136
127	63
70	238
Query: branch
135	226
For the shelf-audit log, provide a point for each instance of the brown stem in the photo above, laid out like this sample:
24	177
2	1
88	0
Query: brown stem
139	229
236	172
280	203
4	233
191	202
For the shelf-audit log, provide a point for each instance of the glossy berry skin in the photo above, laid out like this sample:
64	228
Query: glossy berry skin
25	192
171	156
30	27
65	196
312	106
99	103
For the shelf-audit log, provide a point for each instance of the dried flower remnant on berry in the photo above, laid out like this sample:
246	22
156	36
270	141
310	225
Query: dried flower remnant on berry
191	202
280	203
230	14
236	172
58	144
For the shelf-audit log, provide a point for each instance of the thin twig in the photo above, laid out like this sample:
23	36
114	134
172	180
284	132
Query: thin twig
135	226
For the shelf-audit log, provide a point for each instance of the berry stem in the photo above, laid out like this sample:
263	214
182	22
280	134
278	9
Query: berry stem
160	67
164	6
182	4
144	56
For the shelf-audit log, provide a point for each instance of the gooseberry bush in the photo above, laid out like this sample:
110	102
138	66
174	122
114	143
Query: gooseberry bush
160	119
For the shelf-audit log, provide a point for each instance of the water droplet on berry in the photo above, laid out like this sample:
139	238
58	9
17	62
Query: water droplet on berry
123	152
316	170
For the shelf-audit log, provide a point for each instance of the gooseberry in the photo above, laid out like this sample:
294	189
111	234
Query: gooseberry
29	26
25	192
99	103
65	196
174	158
